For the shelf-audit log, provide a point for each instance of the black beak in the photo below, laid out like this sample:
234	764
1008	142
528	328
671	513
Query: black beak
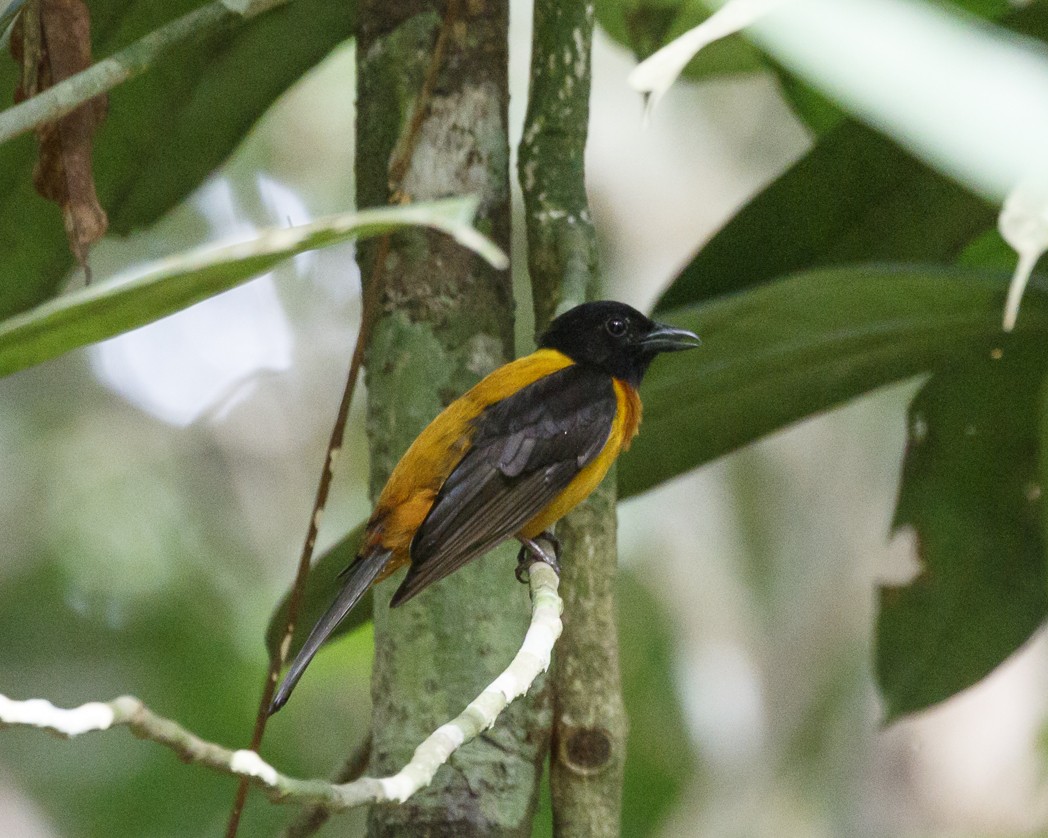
665	338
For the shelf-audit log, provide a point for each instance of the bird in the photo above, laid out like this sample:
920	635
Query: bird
507	459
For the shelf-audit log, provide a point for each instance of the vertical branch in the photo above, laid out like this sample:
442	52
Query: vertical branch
444	319
589	725
589	718
562	250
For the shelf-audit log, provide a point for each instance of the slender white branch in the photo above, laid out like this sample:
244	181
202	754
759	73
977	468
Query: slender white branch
532	659
1023	223
127	711
657	73
133	60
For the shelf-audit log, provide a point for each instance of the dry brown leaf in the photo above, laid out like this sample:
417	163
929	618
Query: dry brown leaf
53	42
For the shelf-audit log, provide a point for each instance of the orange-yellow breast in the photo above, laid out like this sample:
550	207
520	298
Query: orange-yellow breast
413	485
623	429
415	481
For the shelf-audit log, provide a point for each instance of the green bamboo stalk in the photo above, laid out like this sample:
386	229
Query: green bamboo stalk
589	732
432	120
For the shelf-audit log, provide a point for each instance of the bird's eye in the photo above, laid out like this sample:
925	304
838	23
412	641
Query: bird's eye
616	327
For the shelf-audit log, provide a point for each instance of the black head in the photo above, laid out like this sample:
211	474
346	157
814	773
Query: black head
615	338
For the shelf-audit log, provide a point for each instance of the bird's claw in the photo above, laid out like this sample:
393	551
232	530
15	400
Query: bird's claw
532	551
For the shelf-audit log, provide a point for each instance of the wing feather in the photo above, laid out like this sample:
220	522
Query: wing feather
526	449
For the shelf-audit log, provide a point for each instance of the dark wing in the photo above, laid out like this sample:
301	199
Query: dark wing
357	578
525	450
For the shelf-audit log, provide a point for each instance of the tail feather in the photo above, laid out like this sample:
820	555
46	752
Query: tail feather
358	578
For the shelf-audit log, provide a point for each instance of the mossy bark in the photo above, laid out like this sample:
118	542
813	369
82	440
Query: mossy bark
589	717
445	320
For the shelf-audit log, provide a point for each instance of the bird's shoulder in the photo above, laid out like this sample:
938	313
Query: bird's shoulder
562	416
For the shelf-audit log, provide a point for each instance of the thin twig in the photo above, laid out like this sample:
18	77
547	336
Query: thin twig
132	61
532	659
298	588
371	298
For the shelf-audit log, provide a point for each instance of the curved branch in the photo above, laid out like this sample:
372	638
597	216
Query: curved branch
128	711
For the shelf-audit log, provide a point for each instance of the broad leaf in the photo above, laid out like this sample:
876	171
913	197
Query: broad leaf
125	302
791	348
778	354
644	26
661	759
166	130
971	492
820	114
323	585
855	197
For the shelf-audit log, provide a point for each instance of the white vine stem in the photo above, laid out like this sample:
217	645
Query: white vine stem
127	711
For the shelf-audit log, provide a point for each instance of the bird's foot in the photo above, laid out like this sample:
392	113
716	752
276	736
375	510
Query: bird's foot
532	550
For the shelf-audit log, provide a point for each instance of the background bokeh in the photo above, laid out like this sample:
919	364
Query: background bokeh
154	491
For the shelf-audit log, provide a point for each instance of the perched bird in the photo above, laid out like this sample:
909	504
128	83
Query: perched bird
507	459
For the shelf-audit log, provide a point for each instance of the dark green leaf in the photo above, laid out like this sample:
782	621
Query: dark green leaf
166	130
791	348
661	760
988	252
971	491
109	307
785	351
321	589
989	9
185	116
820	114
855	197
644	26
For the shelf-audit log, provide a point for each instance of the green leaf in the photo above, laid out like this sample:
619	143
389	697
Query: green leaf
855	197
323	585
791	348
819	113
166	130
971	491
645	26
661	760
109	307
7	17
988	252
988	9
180	657
777	354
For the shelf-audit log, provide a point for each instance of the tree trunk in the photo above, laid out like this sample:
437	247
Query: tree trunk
432	122
589	718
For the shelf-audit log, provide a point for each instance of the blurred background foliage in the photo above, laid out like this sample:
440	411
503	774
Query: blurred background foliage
155	487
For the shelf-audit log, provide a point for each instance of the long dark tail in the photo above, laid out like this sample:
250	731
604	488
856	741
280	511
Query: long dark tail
358	578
